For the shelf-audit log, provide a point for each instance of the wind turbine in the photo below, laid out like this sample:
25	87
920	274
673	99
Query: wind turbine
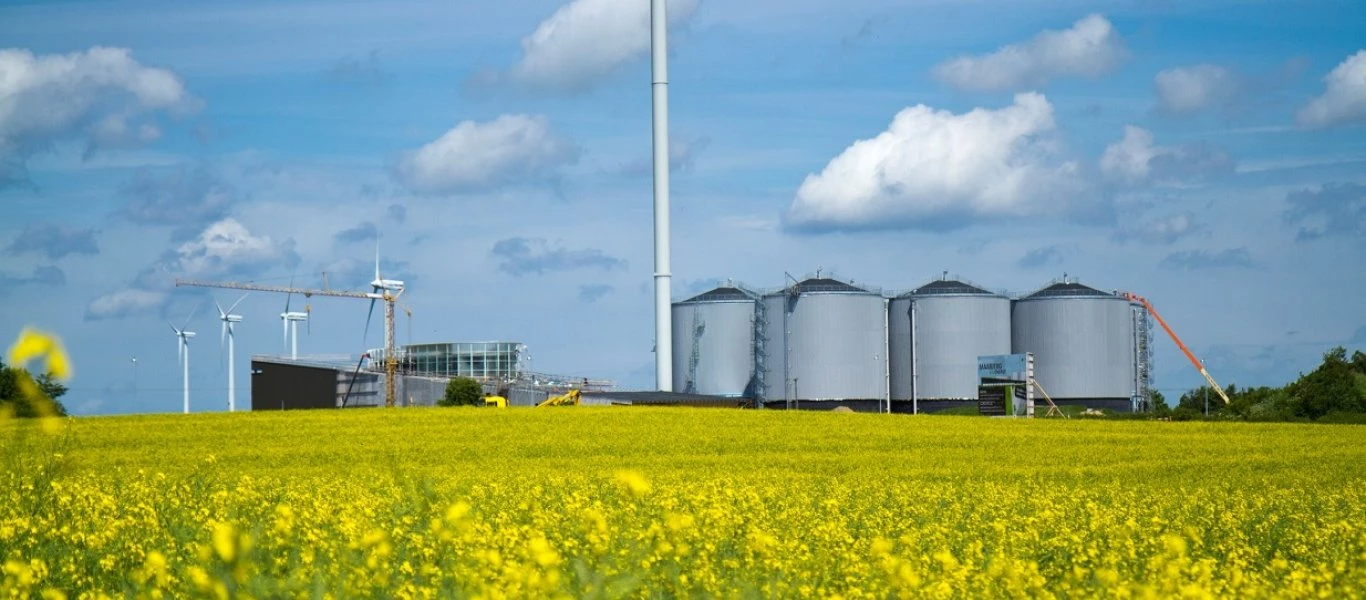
228	320
290	321
183	352
389	290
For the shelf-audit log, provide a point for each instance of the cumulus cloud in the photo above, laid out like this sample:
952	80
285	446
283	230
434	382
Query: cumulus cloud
1135	159
101	97
480	156
933	168
223	250
521	256
1344	96
1199	260
54	241
1193	88
1162	230
586	42
186	199
43	275
1090	48
1336	209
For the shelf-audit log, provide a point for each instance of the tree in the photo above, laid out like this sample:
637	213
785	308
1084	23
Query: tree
462	391
1160	408
12	398
1330	388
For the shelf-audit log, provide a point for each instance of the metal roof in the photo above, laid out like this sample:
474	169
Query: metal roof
1070	289
825	284
725	293
946	287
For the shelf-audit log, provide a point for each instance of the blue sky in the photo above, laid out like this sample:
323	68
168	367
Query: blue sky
1208	155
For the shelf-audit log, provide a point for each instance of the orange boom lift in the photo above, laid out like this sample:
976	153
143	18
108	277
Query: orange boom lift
1194	361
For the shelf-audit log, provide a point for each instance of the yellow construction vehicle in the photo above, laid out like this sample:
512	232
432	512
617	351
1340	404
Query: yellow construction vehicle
498	401
570	398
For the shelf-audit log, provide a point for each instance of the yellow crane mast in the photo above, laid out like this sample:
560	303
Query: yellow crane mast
385	289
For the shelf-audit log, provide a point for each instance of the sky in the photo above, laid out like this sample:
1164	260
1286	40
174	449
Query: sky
1210	156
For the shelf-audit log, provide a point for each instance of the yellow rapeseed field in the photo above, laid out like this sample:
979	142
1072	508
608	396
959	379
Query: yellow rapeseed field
635	502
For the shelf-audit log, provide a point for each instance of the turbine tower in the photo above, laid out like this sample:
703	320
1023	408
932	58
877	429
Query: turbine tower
659	87
290	321
228	320
183	352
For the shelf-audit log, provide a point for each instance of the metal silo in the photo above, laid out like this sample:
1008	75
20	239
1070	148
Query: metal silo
824	339
937	332
713	341
1085	344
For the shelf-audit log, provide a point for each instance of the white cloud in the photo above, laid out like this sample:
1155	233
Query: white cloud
934	168
1135	159
101	96
1090	48
587	41
1189	89
223	250
479	156
1344	96
125	302
226	248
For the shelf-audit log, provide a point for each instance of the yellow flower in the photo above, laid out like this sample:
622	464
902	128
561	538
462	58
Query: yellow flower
32	344
634	482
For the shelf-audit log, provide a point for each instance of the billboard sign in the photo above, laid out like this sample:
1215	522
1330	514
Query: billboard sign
1003	368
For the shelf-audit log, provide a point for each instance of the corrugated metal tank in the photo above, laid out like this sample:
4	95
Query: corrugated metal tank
825	339
954	323
1082	339
713	343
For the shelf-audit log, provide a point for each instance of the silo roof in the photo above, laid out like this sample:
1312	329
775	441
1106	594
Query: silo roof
945	287
723	294
825	284
1069	289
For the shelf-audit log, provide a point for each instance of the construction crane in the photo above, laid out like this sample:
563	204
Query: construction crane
1148	306
387	290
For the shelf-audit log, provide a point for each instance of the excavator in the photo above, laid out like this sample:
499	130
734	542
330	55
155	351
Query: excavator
1131	297
570	398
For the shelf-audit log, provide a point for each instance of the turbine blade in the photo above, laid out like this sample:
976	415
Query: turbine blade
239	301
377	277
221	314
177	331
187	319
366	334
223	334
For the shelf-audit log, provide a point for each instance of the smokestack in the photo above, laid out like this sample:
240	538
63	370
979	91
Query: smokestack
659	87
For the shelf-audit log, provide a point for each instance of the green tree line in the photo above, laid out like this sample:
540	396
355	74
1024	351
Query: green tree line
1333	392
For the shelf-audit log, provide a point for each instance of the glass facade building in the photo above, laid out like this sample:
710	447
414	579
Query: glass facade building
485	361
